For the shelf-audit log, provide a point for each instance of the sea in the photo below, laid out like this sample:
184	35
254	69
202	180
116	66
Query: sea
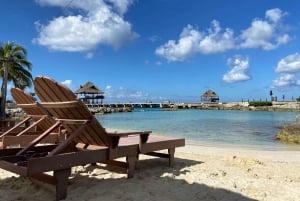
251	129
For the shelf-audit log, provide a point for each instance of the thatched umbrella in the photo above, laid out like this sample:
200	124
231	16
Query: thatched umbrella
90	92
210	96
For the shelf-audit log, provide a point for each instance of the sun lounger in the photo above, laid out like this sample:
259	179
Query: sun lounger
87	142
52	93
37	120
84	144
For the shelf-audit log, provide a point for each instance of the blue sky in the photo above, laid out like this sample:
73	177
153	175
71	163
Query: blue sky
156	50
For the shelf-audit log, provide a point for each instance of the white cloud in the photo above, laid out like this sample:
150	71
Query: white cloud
258	35
286	80
95	23
118	6
89	55
121	5
239	70
67	83
192	41
289	64
124	94
283	39
275	14
266	34
288	67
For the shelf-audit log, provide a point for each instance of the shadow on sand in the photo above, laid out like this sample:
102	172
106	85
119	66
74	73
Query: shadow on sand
153	181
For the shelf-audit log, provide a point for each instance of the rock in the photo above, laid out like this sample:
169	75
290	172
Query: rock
289	133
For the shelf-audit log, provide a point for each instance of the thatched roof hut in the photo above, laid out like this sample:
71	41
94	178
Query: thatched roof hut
210	96
91	93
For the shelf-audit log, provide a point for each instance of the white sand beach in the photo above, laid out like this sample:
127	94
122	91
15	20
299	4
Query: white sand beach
200	173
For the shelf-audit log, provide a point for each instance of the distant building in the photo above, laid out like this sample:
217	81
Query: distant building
90	94
210	97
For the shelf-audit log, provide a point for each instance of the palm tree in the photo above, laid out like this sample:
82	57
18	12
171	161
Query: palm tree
14	67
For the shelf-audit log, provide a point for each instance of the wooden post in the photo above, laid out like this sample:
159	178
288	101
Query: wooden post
61	177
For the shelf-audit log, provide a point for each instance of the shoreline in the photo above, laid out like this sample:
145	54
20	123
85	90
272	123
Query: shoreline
281	147
200	173
242	151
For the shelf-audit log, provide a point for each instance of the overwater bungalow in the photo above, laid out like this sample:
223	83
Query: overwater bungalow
90	94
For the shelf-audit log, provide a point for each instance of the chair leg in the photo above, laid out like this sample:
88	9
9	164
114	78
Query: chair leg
171	157
137	161
61	177
131	161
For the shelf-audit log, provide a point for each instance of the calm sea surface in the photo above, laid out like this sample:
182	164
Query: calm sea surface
213	127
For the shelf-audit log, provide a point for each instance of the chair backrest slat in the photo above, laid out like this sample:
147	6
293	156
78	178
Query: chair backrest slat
62	103
32	108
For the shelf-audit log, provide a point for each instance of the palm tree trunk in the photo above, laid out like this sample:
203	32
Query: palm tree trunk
4	92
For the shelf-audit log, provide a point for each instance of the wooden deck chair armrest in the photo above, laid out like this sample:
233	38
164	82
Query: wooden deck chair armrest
114	141
124	134
144	137
115	136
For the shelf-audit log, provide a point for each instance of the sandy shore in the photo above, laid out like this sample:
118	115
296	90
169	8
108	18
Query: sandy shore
200	173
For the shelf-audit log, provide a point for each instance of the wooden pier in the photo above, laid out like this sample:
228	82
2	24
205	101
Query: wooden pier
13	111
129	107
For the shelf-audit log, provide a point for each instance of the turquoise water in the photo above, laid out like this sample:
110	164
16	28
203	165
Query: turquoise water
215	127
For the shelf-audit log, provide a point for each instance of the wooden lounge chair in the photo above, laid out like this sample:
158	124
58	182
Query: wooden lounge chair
37	120
52	94
87	141
84	144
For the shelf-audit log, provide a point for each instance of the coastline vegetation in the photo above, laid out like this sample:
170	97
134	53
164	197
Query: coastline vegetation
260	103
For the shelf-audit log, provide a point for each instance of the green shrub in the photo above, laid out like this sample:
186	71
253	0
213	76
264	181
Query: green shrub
260	103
